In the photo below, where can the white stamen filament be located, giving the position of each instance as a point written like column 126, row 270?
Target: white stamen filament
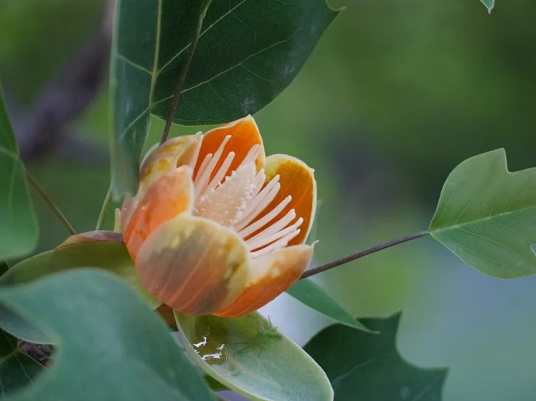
column 195, row 154
column 205, row 176
column 283, row 242
column 253, row 245
column 221, row 173
column 259, row 203
column 266, row 219
column 272, row 229
column 202, row 168
column 236, row 198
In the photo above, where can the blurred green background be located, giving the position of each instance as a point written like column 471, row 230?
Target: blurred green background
column 396, row 94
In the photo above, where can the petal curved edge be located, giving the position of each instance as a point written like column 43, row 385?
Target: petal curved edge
column 270, row 275
column 158, row 161
column 194, row 265
column 172, row 195
column 92, row 236
column 244, row 135
column 296, row 179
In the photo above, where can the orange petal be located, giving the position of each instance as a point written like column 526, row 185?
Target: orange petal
column 171, row 196
column 244, row 135
column 194, row 265
column 296, row 179
column 158, row 160
column 270, row 275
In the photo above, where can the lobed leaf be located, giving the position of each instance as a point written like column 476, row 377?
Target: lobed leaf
column 119, row 338
column 487, row 216
column 364, row 367
column 109, row 256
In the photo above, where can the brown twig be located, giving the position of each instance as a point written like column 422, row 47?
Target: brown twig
column 360, row 254
column 183, row 73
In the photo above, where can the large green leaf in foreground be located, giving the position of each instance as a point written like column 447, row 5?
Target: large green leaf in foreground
column 366, row 367
column 248, row 52
column 248, row 355
column 312, row 295
column 110, row 344
column 109, row 256
column 487, row 216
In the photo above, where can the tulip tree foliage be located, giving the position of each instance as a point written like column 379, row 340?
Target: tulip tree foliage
column 80, row 322
column 489, row 4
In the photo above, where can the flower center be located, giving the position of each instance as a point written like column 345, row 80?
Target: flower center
column 240, row 199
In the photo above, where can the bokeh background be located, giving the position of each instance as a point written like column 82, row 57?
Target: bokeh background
column 397, row 93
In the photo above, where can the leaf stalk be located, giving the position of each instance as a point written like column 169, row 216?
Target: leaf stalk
column 360, row 254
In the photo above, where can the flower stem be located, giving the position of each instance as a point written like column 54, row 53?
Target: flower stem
column 360, row 254
column 182, row 79
column 104, row 210
column 50, row 203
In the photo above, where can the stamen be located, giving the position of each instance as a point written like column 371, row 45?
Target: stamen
column 221, row 173
column 275, row 227
column 203, row 180
column 267, row 239
column 202, row 168
column 266, row 219
column 225, row 203
column 259, row 203
column 195, row 154
column 252, row 155
column 283, row 242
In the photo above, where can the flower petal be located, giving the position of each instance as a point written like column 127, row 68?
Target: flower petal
column 194, row 265
column 296, row 179
column 244, row 135
column 270, row 275
column 92, row 236
column 172, row 195
column 158, row 160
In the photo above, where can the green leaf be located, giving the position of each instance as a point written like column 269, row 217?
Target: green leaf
column 119, row 350
column 16, row 369
column 312, row 295
column 364, row 367
column 18, row 223
column 7, row 136
column 487, row 216
column 110, row 256
column 489, row 4
column 247, row 53
column 249, row 356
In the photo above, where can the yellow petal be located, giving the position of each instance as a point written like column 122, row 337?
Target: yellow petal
column 270, row 275
column 167, row 156
column 194, row 265
column 172, row 195
column 296, row 179
column 244, row 135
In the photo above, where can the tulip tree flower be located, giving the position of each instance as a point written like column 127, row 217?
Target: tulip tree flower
column 216, row 227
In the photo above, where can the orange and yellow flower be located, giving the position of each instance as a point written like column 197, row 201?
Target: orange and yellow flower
column 216, row 226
